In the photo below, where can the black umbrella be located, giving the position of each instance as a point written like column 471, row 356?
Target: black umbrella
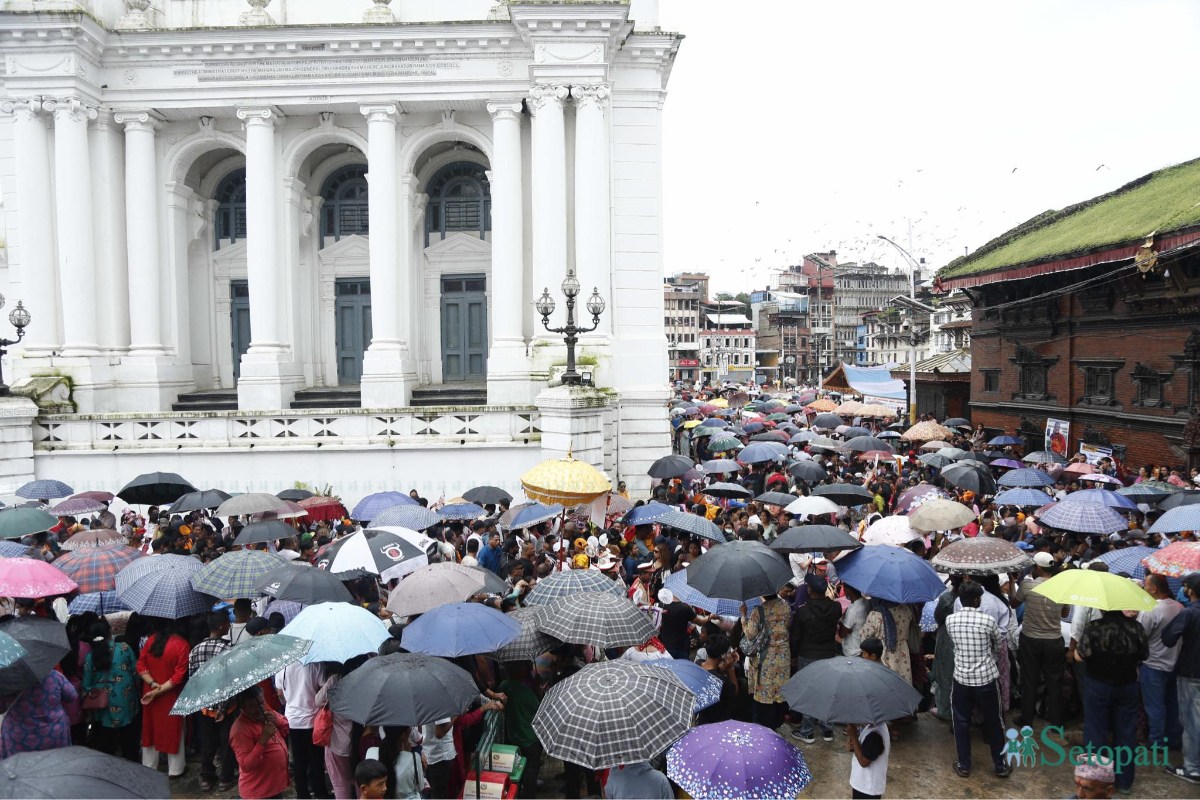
column 957, row 422
column 195, row 501
column 971, row 455
column 855, row 691
column 808, row 471
column 776, row 498
column 739, row 571
column 267, row 530
column 155, row 488
column 670, row 467
column 485, row 495
column 45, row 643
column 728, row 490
column 1184, row 498
column 811, row 538
column 861, row 444
column 295, row 495
column 964, row 475
column 934, row 460
column 303, row 584
column 844, row 494
column 78, row 772
column 694, row 524
column 403, row 689
column 855, row 431
column 827, row 420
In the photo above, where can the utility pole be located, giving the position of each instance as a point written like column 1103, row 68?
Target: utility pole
column 912, row 349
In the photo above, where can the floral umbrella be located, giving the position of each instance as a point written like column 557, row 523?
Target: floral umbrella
column 876, row 411
column 565, row 481
column 927, row 431
column 850, row 408
column 981, row 556
column 824, row 404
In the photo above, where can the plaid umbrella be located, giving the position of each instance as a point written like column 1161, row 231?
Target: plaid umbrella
column 255, row 659
column 32, row 578
column 76, row 507
column 1176, row 520
column 21, row 521
column 1104, row 497
column 1028, row 478
column 236, row 574
column 287, row 608
column 612, row 713
column 603, row 620
column 1175, row 560
column 98, row 603
column 530, row 642
column 693, row 524
column 1043, row 457
column 155, row 487
column 570, row 582
column 1128, row 560
column 95, row 568
column 44, row 489
column 97, row 537
column 373, row 505
column 1085, row 517
column 417, row 518
column 1023, row 498
column 162, row 587
column 12, row 549
column 981, row 556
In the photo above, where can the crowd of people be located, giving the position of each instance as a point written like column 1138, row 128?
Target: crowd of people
column 989, row 649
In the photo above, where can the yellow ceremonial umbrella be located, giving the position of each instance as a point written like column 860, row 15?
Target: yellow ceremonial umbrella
column 720, row 402
column 691, row 423
column 824, row 404
column 565, row 481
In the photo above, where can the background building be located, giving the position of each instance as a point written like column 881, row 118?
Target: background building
column 683, row 295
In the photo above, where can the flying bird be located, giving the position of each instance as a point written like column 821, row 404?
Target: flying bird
column 1014, row 169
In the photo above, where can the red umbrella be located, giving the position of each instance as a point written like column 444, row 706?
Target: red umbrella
column 708, row 408
column 1079, row 468
column 882, row 455
column 1175, row 560
column 95, row 568
column 323, row 508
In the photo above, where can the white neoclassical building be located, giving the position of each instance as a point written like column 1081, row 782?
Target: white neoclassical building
column 306, row 224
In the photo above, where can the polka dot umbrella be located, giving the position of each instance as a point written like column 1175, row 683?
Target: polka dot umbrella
column 737, row 760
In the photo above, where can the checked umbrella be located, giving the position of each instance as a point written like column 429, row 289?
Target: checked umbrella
column 95, row 568
column 602, row 620
column 161, row 587
column 236, row 574
column 572, row 582
column 530, row 642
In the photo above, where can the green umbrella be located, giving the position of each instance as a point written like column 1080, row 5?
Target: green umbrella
column 778, row 417
column 22, row 521
column 236, row 670
column 722, row 445
column 1102, row 590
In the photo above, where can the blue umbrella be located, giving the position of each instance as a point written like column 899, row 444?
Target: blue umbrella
column 757, row 452
column 10, row 549
column 460, row 629
column 644, row 515
column 753, row 427
column 338, row 631
column 1023, row 497
column 162, row 587
column 44, row 489
column 1128, row 561
column 677, row 583
column 890, row 573
column 697, row 680
column 1084, row 517
column 713, row 422
column 1104, row 497
column 97, row 602
column 693, row 524
column 887, row 435
column 803, row 437
column 534, row 515
column 415, row 518
column 373, row 505
column 719, row 466
column 1026, row 478
column 1005, row 441
column 461, row 511
column 1175, row 520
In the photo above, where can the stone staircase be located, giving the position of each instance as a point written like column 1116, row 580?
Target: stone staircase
column 208, row 400
column 450, row 394
column 329, row 397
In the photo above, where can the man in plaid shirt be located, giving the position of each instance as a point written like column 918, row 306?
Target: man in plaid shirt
column 212, row 731
column 976, row 640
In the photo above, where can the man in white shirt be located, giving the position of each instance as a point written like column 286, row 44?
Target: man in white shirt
column 870, row 745
column 298, row 684
column 439, row 755
column 852, row 622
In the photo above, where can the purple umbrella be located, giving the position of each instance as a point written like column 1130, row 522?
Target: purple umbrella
column 76, row 507
column 736, row 759
column 921, row 493
column 1007, row 463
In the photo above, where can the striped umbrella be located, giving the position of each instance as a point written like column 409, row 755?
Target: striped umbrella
column 530, row 642
column 1084, row 517
column 95, row 568
column 1175, row 560
column 236, row 574
column 162, row 587
column 44, row 489
column 571, row 582
column 603, row 620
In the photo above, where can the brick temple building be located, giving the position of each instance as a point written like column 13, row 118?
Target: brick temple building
column 1091, row 315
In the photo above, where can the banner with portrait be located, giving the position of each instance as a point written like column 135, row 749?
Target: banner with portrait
column 1058, row 436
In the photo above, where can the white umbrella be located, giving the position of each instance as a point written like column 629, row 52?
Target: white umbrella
column 419, row 540
column 812, row 505
column 891, row 530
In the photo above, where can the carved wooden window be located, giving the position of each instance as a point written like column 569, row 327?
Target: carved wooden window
column 1148, row 385
column 991, row 380
column 1099, row 381
column 231, row 208
column 1033, row 371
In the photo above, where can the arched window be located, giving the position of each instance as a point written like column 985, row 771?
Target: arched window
column 345, row 211
column 231, row 207
column 460, row 199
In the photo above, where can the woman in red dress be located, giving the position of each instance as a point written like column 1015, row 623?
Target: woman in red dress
column 163, row 667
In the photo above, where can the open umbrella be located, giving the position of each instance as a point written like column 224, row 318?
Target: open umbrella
column 236, row 573
column 1175, row 560
column 295, row 495
column 373, row 505
column 677, row 583
column 571, row 582
column 721, row 466
column 288, row 609
column 813, row 506
column 290, row 510
column 95, row 569
column 565, row 481
column 195, row 501
column 251, row 503
column 1023, row 498
column 851, row 691
column 486, row 495
column 758, row 452
column 826, row 420
column 644, row 515
column 863, row 444
column 45, row 643
column 927, row 431
column 1144, row 492
column 1084, row 517
column 76, row 507
column 890, row 573
column 982, row 555
column 460, row 629
column 303, row 584
column 966, row 476
column 781, row 499
column 808, row 471
column 228, row 674
column 375, row 551
column 1128, row 560
column 96, row 537
column 1175, row 520
column 155, row 488
column 434, row 585
column 323, row 509
column 1104, row 497
column 416, row 518
column 958, row 422
column 1043, row 457
column 918, row 495
column 19, row 521
column 739, row 570
column 812, row 539
column 844, row 494
column 894, row 530
column 940, row 514
column 268, row 530
column 78, row 772
column 403, row 689
column 534, row 514
column 162, row 587
column 32, row 578
column 737, row 759
column 935, row 446
column 1005, row 441
column 728, row 490
column 338, row 632
column 724, row 444
column 612, row 713
column 98, row 603
column 10, row 650
column 696, row 679
column 1026, row 478
column 44, row 489
column 1102, row 590
column 530, row 642
column 103, row 497
column 693, row 524
column 671, row 466
column 460, row 511
column 601, row 619
column 13, row 549
column 934, row 460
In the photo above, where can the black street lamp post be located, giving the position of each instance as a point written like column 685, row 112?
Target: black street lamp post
column 595, row 306
column 20, row 319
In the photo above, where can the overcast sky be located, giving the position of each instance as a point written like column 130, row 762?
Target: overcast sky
column 795, row 126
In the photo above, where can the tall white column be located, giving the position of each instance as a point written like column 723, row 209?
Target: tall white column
column 549, row 175
column 142, row 196
column 593, row 240
column 76, row 244
column 112, row 274
column 508, row 365
column 38, row 271
column 269, row 375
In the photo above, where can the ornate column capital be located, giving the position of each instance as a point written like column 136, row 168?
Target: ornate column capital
column 591, row 95
column 24, row 109
column 542, row 96
column 137, row 120
column 71, row 108
column 381, row 112
column 259, row 116
column 508, row 109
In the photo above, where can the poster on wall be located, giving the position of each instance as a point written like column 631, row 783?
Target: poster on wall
column 1094, row 452
column 1058, row 434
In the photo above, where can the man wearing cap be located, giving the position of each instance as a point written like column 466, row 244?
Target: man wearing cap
column 1094, row 778
column 1185, row 628
column 1040, row 649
